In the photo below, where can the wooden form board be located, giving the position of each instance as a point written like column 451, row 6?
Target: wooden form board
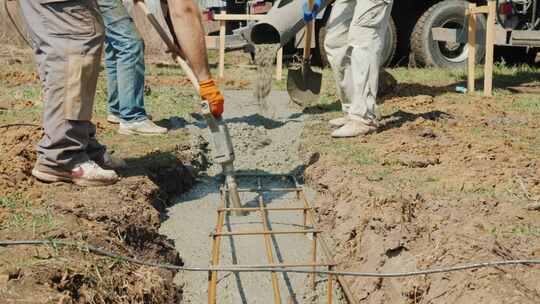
column 490, row 9
column 223, row 17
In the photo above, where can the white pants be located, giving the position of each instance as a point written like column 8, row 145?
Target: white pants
column 355, row 35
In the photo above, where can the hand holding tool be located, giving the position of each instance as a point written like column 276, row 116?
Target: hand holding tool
column 212, row 108
column 303, row 84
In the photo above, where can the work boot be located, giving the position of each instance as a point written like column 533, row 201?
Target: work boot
column 354, row 128
column 109, row 161
column 85, row 174
column 338, row 122
column 143, row 127
column 111, row 118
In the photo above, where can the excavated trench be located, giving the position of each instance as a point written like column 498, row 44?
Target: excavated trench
column 263, row 146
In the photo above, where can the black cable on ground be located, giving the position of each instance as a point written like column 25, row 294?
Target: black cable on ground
column 239, row 268
column 18, row 125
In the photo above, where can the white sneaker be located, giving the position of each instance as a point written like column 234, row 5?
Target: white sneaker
column 111, row 118
column 338, row 122
column 143, row 127
column 354, row 128
column 85, row 174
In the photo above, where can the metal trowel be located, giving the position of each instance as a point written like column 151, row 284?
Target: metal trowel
column 304, row 84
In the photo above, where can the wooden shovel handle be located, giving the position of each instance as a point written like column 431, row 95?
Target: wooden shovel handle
column 309, row 33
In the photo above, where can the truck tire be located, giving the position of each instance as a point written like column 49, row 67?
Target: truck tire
column 427, row 52
column 389, row 48
column 390, row 44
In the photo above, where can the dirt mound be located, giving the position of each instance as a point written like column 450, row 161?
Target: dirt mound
column 17, row 157
column 444, row 182
column 123, row 218
column 378, row 230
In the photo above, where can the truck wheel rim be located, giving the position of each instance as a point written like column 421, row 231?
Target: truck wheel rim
column 453, row 52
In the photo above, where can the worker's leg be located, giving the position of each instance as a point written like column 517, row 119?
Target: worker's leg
column 113, row 102
column 124, row 62
column 337, row 48
column 366, row 38
column 66, row 38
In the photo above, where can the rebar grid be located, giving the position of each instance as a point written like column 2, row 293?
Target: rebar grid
column 267, row 232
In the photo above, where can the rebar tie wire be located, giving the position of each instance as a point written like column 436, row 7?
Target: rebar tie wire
column 102, row 252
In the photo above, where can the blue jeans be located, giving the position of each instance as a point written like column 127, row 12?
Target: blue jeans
column 124, row 62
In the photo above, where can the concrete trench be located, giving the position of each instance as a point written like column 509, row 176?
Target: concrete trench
column 263, row 145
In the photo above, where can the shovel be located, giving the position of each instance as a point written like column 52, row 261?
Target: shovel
column 304, row 84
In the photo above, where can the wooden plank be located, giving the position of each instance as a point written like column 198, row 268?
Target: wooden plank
column 472, row 50
column 237, row 17
column 454, row 35
column 221, row 67
column 490, row 37
column 478, row 10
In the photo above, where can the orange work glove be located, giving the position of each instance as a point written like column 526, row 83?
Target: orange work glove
column 210, row 92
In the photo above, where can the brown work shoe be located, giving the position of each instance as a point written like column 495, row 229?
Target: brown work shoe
column 85, row 174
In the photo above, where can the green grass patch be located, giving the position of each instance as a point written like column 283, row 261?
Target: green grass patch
column 353, row 152
column 526, row 103
column 26, row 215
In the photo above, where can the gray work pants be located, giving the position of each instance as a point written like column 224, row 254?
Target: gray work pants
column 355, row 36
column 67, row 39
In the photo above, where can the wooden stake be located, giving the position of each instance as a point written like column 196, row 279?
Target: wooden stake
column 472, row 48
column 490, row 38
column 222, row 28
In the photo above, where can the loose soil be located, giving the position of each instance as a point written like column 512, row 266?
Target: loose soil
column 123, row 218
column 446, row 181
column 449, row 179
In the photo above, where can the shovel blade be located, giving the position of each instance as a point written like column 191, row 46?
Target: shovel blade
column 304, row 85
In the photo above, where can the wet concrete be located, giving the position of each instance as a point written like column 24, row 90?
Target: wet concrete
column 263, row 146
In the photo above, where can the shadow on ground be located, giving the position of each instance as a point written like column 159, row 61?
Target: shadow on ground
column 399, row 118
